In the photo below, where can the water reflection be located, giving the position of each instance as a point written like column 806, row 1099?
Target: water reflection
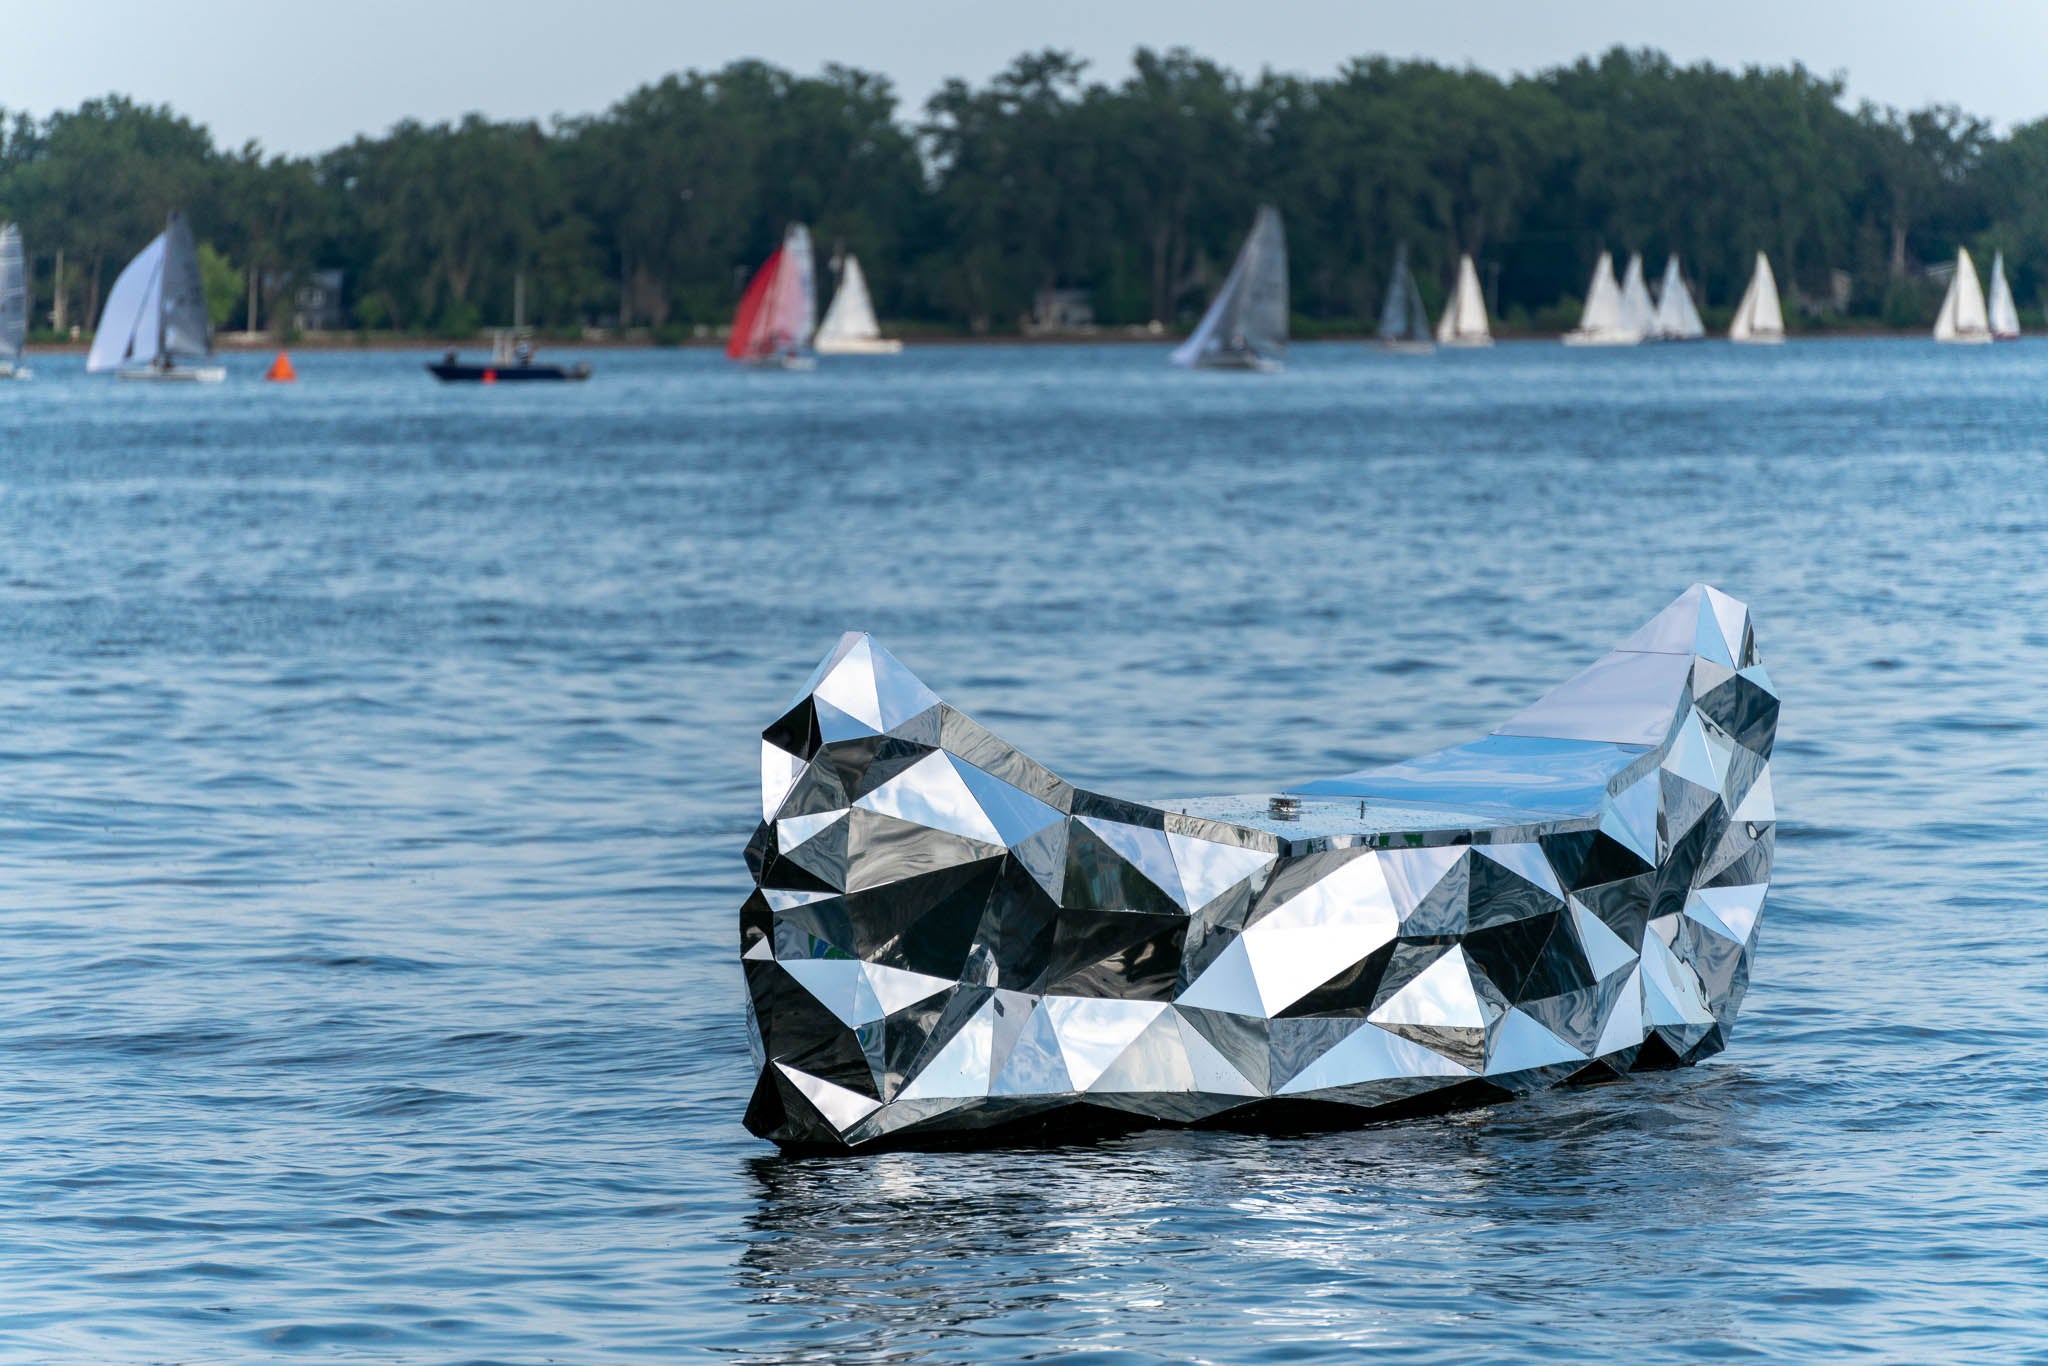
column 1466, row 1229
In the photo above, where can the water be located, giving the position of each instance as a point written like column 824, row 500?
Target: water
column 378, row 758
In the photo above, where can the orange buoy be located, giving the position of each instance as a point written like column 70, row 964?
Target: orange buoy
column 280, row 371
column 490, row 377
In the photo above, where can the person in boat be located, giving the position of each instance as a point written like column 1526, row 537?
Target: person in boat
column 449, row 358
column 523, row 353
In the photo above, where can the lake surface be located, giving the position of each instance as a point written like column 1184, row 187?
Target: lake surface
column 379, row 758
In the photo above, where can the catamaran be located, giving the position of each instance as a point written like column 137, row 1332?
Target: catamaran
column 1637, row 311
column 1404, row 323
column 2005, row 315
column 13, row 303
column 1758, row 319
column 849, row 328
column 1676, row 319
column 1962, row 317
column 779, row 311
column 1246, row 326
column 154, row 326
column 1601, row 323
column 1464, row 319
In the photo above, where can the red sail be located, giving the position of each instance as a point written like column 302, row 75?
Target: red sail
column 750, row 325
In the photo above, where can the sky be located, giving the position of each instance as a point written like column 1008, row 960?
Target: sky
column 301, row 78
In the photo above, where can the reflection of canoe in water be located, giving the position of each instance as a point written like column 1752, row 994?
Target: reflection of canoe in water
column 946, row 938
column 455, row 372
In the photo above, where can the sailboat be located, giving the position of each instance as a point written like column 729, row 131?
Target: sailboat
column 1601, row 322
column 1404, row 324
column 1758, row 319
column 154, row 326
column 13, row 303
column 1676, row 319
column 1246, row 325
column 849, row 328
column 1962, row 317
column 1637, row 311
column 1464, row 320
column 779, row 311
column 2005, row 315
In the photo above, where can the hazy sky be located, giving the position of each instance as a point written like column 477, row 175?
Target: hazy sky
column 301, row 78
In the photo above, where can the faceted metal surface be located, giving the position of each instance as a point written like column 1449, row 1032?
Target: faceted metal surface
column 946, row 938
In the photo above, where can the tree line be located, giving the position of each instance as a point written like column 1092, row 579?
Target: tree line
column 1134, row 190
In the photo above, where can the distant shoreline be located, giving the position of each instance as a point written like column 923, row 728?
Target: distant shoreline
column 235, row 343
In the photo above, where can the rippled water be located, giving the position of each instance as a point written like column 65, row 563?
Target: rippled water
column 378, row 757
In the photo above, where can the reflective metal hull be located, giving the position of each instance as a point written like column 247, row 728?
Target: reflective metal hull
column 948, row 942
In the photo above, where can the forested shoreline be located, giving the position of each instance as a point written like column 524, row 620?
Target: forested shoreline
column 1133, row 188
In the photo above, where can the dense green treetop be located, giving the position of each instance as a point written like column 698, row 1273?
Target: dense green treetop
column 1135, row 190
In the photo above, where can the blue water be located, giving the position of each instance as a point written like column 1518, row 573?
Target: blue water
column 378, row 758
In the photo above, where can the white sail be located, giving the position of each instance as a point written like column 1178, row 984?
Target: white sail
column 155, row 314
column 13, row 295
column 1601, row 322
column 849, row 326
column 1246, row 326
column 1637, row 311
column 1963, row 317
column 1676, row 318
column 128, row 324
column 1758, row 317
column 2005, row 314
column 793, row 296
column 1464, row 320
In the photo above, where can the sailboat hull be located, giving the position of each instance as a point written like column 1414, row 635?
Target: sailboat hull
column 858, row 346
column 1601, row 339
column 1970, row 339
column 783, row 362
column 1236, row 360
column 1408, row 348
column 1467, row 343
column 179, row 374
column 11, row 370
column 1765, row 339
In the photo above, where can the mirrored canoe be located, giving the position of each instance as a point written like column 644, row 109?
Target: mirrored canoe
column 947, row 942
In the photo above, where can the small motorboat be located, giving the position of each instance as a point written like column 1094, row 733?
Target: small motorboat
column 947, row 941
column 511, row 362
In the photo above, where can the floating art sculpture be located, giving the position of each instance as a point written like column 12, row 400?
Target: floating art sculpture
column 946, row 940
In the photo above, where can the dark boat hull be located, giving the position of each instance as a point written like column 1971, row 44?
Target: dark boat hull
column 505, row 374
